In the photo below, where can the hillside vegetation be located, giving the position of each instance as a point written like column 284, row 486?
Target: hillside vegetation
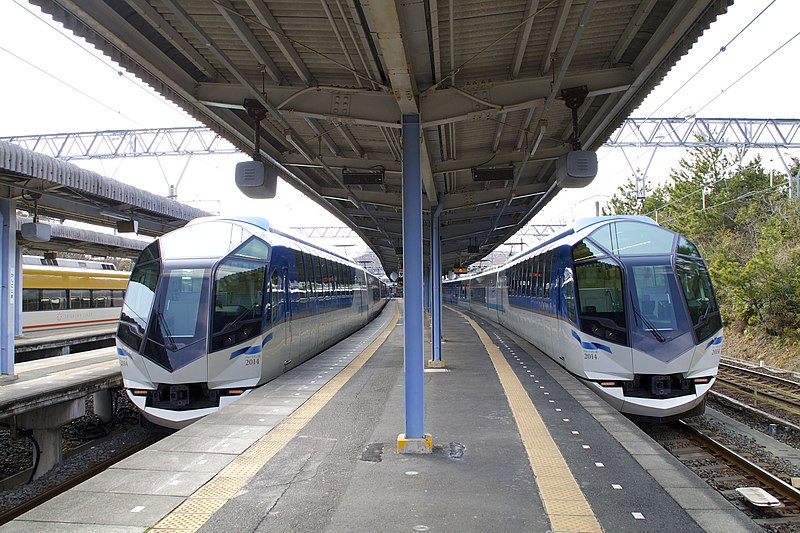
column 748, row 230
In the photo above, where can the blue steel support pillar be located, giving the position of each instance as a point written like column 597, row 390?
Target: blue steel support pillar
column 436, row 286
column 426, row 292
column 8, row 279
column 17, row 296
column 414, row 440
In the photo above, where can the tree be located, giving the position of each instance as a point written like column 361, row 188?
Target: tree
column 746, row 228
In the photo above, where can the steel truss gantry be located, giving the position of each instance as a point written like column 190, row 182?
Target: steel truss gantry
column 739, row 134
column 125, row 143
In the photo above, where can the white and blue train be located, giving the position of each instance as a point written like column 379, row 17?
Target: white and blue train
column 223, row 305
column 624, row 305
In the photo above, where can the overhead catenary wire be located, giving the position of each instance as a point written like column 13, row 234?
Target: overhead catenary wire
column 722, row 49
column 59, row 80
column 118, row 70
column 740, row 78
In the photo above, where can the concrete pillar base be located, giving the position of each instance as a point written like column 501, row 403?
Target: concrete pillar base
column 5, row 379
column 415, row 446
column 103, row 406
column 46, row 425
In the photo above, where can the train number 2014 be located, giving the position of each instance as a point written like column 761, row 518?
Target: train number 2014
column 252, row 361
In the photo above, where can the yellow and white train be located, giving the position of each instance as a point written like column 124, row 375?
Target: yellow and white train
column 69, row 293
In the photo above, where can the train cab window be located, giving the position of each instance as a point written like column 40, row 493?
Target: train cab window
column 687, row 247
column 696, row 286
column 601, row 300
column 634, row 238
column 586, row 250
column 139, row 297
column 178, row 326
column 239, row 294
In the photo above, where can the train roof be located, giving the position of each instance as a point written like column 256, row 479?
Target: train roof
column 264, row 226
column 577, row 231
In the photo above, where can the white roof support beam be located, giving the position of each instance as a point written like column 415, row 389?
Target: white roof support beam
column 443, row 106
column 385, row 22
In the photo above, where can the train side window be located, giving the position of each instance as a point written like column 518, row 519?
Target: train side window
column 301, row 275
column 340, row 279
column 326, row 277
column 568, row 290
column 530, row 279
column 523, row 278
column 57, row 298
column 310, row 281
column 274, row 288
column 319, row 283
column 117, row 296
column 80, row 299
column 31, row 300
column 547, row 273
column 101, row 298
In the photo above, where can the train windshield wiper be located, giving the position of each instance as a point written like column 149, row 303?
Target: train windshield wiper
column 650, row 327
column 166, row 334
column 229, row 326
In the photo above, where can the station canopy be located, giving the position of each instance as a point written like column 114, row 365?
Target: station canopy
column 335, row 77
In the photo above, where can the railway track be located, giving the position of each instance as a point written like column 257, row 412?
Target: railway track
column 726, row 470
column 760, row 389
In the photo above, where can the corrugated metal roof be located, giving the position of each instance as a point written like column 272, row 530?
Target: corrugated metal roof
column 68, row 191
column 485, row 77
column 80, row 240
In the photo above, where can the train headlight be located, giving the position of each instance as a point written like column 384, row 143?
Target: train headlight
column 702, row 381
column 610, row 384
column 139, row 392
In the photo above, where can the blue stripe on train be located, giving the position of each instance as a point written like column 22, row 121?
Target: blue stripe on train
column 715, row 340
column 591, row 345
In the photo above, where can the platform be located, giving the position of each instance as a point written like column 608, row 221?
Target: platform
column 57, row 379
column 315, row 450
column 34, row 345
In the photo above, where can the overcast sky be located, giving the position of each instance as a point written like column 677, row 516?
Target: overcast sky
column 55, row 82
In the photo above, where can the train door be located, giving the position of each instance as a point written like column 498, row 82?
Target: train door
column 567, row 322
column 277, row 345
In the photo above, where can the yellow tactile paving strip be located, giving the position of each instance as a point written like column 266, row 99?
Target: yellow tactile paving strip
column 563, row 500
column 208, row 499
